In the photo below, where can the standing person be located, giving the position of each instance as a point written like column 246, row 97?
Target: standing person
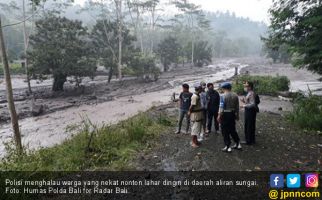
column 196, row 115
column 184, row 104
column 227, row 116
column 203, row 98
column 251, row 108
column 213, row 100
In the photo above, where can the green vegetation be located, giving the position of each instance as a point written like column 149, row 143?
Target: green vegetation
column 15, row 68
column 307, row 112
column 107, row 147
column 298, row 25
column 264, row 85
column 60, row 49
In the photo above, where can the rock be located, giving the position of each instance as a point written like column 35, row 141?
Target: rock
column 280, row 108
column 91, row 97
column 284, row 98
column 37, row 109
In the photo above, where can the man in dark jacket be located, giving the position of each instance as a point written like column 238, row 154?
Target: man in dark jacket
column 213, row 100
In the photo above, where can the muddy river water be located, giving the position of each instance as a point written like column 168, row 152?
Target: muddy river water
column 51, row 129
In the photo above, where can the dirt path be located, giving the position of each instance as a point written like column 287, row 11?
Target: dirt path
column 50, row 129
column 280, row 146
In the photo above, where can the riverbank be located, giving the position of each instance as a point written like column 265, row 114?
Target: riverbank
column 105, row 104
column 147, row 142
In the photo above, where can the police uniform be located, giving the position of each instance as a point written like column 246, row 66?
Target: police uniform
column 229, row 112
column 250, row 118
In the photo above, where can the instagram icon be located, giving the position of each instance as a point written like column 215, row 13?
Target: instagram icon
column 311, row 180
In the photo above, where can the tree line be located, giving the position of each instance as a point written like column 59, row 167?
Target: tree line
column 295, row 33
column 123, row 34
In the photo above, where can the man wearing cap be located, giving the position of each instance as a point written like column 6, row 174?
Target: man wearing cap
column 196, row 115
column 250, row 107
column 227, row 116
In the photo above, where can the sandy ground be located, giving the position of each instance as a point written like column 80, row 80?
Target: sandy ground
column 106, row 104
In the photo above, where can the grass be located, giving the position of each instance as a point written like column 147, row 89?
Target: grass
column 264, row 85
column 106, row 147
column 307, row 112
column 15, row 68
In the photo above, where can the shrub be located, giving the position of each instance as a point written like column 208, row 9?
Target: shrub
column 144, row 67
column 307, row 112
column 15, row 68
column 264, row 85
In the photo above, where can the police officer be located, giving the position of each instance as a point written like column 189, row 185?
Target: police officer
column 250, row 107
column 227, row 116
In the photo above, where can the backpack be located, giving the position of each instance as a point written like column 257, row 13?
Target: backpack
column 257, row 101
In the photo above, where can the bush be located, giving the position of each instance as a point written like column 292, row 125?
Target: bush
column 15, row 68
column 307, row 112
column 143, row 66
column 264, row 85
column 107, row 147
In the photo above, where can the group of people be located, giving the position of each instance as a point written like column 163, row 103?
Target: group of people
column 207, row 106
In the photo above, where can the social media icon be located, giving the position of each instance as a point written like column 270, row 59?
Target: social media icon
column 293, row 180
column 277, row 180
column 311, row 180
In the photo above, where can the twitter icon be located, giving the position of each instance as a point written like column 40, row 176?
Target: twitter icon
column 293, row 180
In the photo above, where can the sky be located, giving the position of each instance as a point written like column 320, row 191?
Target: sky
column 254, row 9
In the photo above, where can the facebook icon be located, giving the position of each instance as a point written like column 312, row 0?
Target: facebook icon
column 277, row 180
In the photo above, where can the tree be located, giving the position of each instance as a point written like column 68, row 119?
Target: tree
column 60, row 48
column 11, row 104
column 203, row 53
column 112, row 10
column 144, row 67
column 119, row 19
column 104, row 37
column 136, row 10
column 168, row 51
column 194, row 19
column 298, row 24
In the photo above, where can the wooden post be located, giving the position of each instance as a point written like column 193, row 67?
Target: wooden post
column 11, row 104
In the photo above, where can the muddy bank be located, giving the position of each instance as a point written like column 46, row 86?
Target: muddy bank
column 280, row 146
column 98, row 90
column 127, row 99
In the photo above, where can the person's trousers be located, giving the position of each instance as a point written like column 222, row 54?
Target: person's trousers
column 196, row 128
column 183, row 114
column 212, row 116
column 250, row 125
column 228, row 128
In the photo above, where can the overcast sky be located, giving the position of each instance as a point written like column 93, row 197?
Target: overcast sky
column 254, row 9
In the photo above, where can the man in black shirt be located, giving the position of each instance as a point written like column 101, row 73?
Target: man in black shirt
column 213, row 100
column 185, row 102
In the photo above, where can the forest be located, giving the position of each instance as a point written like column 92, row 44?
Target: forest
column 149, row 34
